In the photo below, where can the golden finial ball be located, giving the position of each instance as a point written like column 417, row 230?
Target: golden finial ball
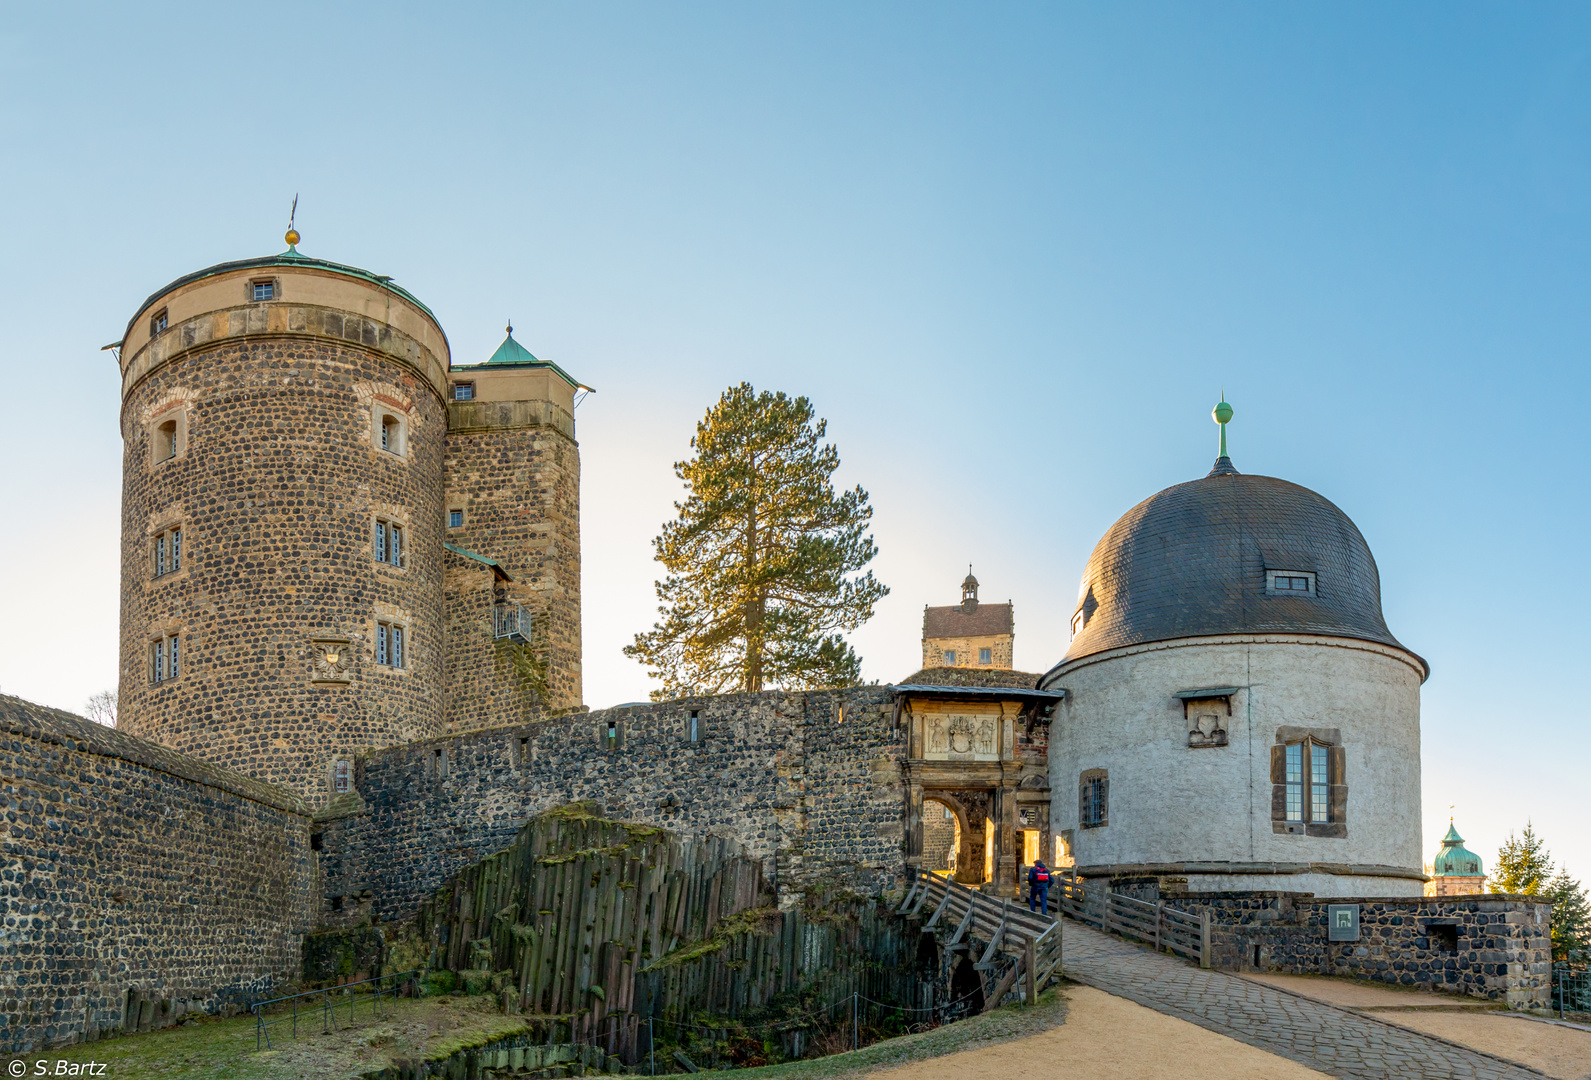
column 1222, row 413
column 292, row 237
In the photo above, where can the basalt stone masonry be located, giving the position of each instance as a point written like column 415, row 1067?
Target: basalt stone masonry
column 809, row 783
column 324, row 522
column 1494, row 946
column 130, row 872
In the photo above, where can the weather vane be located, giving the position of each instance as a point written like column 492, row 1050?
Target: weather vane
column 292, row 216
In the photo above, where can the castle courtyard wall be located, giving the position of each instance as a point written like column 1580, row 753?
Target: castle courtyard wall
column 808, row 782
column 128, row 867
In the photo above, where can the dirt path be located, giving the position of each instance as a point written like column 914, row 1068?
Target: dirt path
column 1110, row 1038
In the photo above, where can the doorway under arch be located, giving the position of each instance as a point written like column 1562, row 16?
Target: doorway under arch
column 942, row 831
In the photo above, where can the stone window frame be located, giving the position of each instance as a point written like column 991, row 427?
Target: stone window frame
column 390, row 424
column 468, row 389
column 382, row 529
column 168, row 435
column 1272, row 590
column 167, row 659
column 610, row 735
column 159, row 323
column 251, row 290
column 1085, row 781
column 459, row 510
column 1330, row 739
column 165, row 552
column 382, row 648
column 437, row 766
column 693, row 727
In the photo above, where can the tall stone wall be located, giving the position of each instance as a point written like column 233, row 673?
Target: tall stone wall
column 513, row 469
column 125, row 866
column 276, row 486
column 808, row 782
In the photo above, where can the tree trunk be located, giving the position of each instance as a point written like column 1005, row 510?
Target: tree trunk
column 755, row 607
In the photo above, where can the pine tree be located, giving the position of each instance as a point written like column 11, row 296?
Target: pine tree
column 1571, row 920
column 1523, row 865
column 761, row 557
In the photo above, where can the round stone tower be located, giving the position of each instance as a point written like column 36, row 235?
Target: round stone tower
column 1237, row 715
column 282, row 518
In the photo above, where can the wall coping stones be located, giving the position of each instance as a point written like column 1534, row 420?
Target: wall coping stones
column 19, row 717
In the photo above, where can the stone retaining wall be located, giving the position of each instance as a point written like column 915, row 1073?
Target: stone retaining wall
column 130, row 872
column 808, row 782
column 1493, row 946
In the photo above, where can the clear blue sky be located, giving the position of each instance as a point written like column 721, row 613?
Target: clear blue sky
column 1012, row 254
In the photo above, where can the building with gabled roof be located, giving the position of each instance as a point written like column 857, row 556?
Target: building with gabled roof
column 970, row 634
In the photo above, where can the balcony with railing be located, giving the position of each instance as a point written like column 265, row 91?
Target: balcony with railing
column 512, row 621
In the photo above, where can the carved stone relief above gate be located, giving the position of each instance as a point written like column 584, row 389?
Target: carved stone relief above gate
column 961, row 737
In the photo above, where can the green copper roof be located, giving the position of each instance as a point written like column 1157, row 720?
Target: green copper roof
column 1454, row 860
column 512, row 354
column 290, row 257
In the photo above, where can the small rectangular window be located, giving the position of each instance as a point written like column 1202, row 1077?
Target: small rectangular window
column 1289, row 583
column 164, row 658
column 158, row 324
column 340, row 778
column 950, row 657
column 463, row 391
column 389, row 644
column 524, row 752
column 439, row 764
column 455, row 519
column 387, row 542
column 696, row 730
column 1093, row 798
column 263, row 290
column 985, row 656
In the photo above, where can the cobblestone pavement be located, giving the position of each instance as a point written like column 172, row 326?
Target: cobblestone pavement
column 1332, row 1040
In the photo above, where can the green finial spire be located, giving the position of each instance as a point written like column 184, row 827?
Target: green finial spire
column 1223, row 415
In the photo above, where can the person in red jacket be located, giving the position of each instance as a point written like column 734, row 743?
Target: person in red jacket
column 1039, row 887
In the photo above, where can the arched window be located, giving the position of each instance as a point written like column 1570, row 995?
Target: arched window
column 166, row 441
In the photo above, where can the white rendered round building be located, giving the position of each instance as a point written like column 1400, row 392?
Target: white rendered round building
column 1237, row 713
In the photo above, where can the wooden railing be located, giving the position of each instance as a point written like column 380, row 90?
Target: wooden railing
column 1154, row 924
column 1032, row 938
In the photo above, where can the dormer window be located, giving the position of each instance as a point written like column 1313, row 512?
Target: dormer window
column 1289, row 583
column 1077, row 624
column 158, row 324
column 262, row 290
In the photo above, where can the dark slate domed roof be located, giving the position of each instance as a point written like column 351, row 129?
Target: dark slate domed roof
column 1192, row 561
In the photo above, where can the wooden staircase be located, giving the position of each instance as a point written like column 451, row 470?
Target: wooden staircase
column 1029, row 938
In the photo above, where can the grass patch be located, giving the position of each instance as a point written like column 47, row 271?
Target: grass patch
column 999, row 1025
column 417, row 1029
